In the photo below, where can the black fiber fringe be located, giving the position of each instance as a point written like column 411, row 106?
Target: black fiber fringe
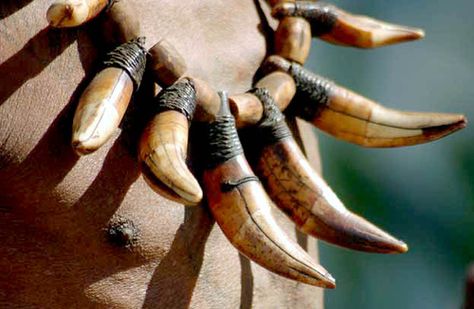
column 272, row 127
column 312, row 92
column 180, row 97
column 130, row 57
column 223, row 141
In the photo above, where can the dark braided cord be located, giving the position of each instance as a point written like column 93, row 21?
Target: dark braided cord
column 272, row 127
column 312, row 92
column 223, row 141
column 180, row 97
column 322, row 16
column 131, row 57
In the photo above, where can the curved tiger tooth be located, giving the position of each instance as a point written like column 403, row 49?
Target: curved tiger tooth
column 100, row 110
column 73, row 13
column 301, row 193
column 242, row 210
column 311, row 204
column 351, row 117
column 103, row 103
column 164, row 142
column 340, row 27
column 163, row 149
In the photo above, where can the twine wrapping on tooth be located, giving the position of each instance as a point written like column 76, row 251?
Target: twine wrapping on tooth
column 180, row 97
column 130, row 57
column 272, row 125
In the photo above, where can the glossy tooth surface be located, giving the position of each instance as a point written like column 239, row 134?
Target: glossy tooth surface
column 340, row 27
column 305, row 197
column 163, row 149
column 73, row 13
column 100, row 109
column 242, row 209
column 353, row 118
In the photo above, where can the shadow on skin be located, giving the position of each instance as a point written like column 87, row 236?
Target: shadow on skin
column 174, row 279
column 246, row 279
column 9, row 7
column 32, row 59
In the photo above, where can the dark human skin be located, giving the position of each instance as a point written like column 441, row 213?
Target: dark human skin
column 88, row 231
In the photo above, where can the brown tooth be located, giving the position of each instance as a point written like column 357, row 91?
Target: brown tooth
column 104, row 102
column 281, row 87
column 242, row 209
column 207, row 101
column 166, row 63
column 293, row 39
column 73, row 13
column 120, row 23
column 246, row 109
column 351, row 117
column 302, row 194
column 164, row 142
column 339, row 27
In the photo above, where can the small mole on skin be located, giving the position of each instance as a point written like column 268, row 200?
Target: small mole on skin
column 122, row 233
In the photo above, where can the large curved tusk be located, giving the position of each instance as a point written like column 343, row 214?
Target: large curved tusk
column 302, row 194
column 351, row 117
column 339, row 27
column 104, row 102
column 242, row 209
column 73, row 13
column 163, row 146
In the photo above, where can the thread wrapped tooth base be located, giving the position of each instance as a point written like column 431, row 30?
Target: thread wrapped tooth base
column 223, row 141
column 180, row 97
column 130, row 57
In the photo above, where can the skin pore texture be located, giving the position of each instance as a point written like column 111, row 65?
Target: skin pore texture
column 88, row 231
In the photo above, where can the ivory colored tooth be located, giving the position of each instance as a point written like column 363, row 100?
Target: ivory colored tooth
column 166, row 63
column 104, row 102
column 351, row 117
column 242, row 209
column 302, row 194
column 73, row 13
column 293, row 39
column 163, row 146
column 339, row 27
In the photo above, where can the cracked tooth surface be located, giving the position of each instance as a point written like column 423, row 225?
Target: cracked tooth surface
column 242, row 210
column 340, row 27
column 73, row 13
column 301, row 193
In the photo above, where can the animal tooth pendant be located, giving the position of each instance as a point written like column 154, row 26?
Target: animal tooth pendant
column 242, row 209
column 166, row 63
column 293, row 39
column 353, row 118
column 73, row 13
column 302, row 194
column 104, row 102
column 339, row 27
column 163, row 146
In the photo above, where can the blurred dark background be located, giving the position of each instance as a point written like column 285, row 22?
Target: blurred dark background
column 422, row 194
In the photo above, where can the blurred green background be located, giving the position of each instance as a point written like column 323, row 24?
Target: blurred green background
column 422, row 194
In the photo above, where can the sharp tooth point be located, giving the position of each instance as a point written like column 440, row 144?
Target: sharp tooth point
column 395, row 34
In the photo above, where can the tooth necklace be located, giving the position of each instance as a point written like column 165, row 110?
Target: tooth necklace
column 234, row 194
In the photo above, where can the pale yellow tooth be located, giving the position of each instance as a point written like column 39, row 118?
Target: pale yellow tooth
column 100, row 109
column 73, row 13
column 349, row 116
column 340, row 27
column 163, row 149
column 105, row 100
column 364, row 32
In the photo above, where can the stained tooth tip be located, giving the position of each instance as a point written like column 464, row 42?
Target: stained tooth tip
column 80, row 148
